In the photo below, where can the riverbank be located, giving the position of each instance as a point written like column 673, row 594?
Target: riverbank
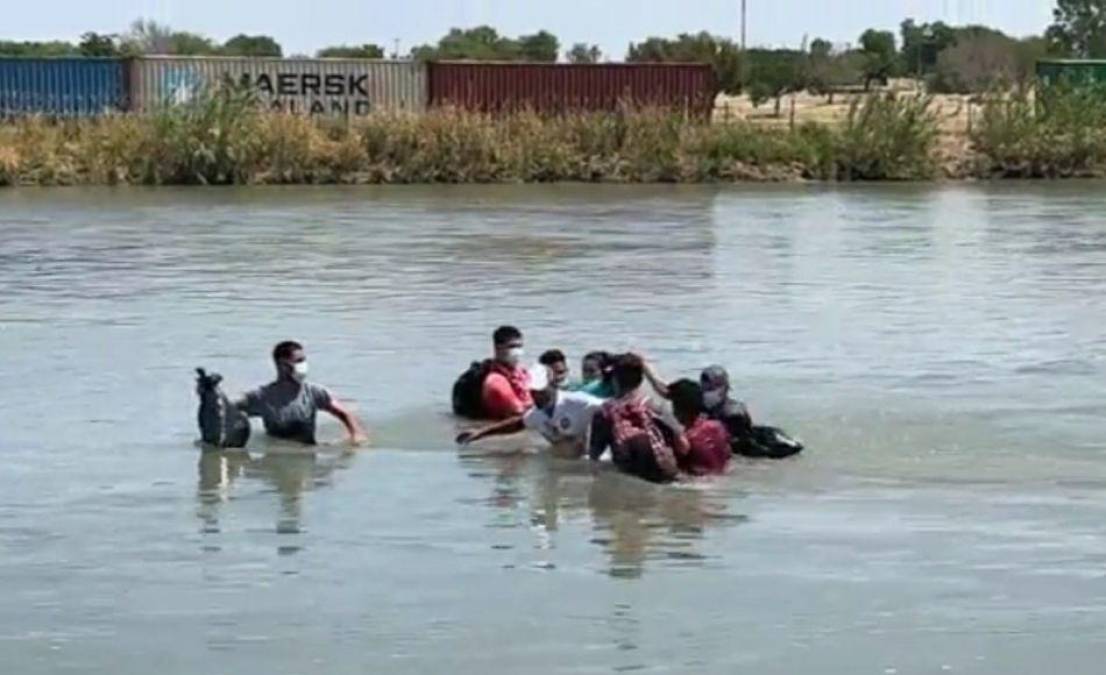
column 226, row 140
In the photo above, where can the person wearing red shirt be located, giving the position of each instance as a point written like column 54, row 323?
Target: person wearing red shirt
column 708, row 440
column 506, row 389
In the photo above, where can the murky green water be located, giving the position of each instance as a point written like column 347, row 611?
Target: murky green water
column 940, row 350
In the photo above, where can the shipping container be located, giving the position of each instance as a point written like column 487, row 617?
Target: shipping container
column 554, row 88
column 330, row 87
column 1077, row 72
column 61, row 86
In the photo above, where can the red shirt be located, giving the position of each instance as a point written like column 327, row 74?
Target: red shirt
column 710, row 448
column 506, row 392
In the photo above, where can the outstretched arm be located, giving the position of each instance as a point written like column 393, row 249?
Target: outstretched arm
column 508, row 426
column 356, row 431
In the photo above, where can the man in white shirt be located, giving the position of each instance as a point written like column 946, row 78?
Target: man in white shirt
column 563, row 418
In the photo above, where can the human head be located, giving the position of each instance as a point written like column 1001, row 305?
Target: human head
column 555, row 361
column 687, row 400
column 715, row 382
column 595, row 366
column 290, row 360
column 629, row 371
column 508, row 345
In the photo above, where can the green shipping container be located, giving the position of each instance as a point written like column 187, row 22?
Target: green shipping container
column 1074, row 72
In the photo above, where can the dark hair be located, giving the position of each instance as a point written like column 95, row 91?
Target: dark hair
column 629, row 371
column 505, row 334
column 687, row 398
column 284, row 350
column 604, row 358
column 606, row 362
column 551, row 357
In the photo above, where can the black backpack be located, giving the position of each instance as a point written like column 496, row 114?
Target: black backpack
column 766, row 443
column 468, row 391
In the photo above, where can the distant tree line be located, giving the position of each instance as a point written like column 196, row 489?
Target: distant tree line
column 950, row 59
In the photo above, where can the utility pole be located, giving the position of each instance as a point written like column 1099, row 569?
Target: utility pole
column 742, row 25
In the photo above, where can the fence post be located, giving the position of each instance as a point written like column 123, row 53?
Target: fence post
column 791, row 121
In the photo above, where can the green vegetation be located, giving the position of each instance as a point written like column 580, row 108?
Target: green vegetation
column 486, row 44
column 226, row 139
column 1079, row 29
column 722, row 53
column 582, row 52
column 775, row 73
column 948, row 59
column 365, row 51
column 1061, row 135
column 251, row 45
column 880, row 61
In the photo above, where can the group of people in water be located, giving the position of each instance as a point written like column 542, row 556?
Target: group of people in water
column 609, row 410
column 606, row 410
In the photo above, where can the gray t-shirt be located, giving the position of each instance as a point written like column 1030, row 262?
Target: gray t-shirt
column 287, row 408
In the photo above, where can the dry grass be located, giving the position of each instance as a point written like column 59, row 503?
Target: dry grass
column 227, row 140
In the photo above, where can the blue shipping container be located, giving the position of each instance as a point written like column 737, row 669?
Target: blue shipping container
column 65, row 86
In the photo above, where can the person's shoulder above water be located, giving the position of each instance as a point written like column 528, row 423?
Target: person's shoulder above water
column 318, row 394
column 501, row 398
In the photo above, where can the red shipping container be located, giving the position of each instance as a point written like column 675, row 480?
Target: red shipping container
column 495, row 87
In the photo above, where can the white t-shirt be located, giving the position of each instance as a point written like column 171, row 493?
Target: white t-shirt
column 570, row 419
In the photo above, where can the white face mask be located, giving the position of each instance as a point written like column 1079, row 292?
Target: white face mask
column 713, row 398
column 514, row 356
column 299, row 371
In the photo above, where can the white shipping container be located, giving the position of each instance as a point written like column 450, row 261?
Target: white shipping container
column 330, row 87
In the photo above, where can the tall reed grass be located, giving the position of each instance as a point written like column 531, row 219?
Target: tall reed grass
column 224, row 138
column 1061, row 132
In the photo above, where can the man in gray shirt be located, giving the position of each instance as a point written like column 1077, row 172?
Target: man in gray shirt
column 288, row 405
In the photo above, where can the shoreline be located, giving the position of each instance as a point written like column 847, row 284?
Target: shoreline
column 226, row 140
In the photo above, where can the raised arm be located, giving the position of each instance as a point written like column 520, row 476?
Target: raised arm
column 655, row 380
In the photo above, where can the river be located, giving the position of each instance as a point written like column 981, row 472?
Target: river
column 940, row 350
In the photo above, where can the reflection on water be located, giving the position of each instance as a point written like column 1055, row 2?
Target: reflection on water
column 941, row 351
column 289, row 473
column 632, row 521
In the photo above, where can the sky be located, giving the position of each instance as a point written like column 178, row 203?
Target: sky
column 303, row 26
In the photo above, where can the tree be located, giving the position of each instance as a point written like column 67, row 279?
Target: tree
column 821, row 49
column 922, row 44
column 365, row 51
column 878, row 47
column 773, row 73
column 581, row 52
column 183, row 43
column 147, row 37
column 541, row 46
column 827, row 70
column 723, row 55
column 977, row 62
column 482, row 43
column 37, row 49
column 96, row 45
column 252, row 45
column 150, row 37
column 1079, row 28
